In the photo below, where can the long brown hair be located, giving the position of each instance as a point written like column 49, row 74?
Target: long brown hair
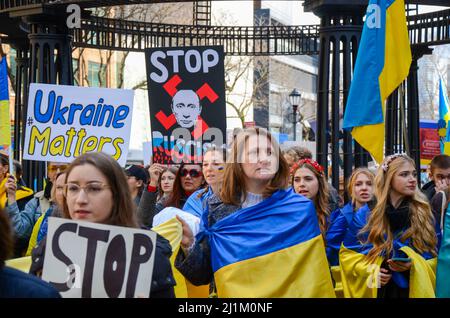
column 322, row 199
column 422, row 230
column 172, row 170
column 6, row 238
column 233, row 190
column 123, row 210
column 178, row 191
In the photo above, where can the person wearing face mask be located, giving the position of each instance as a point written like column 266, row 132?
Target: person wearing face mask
column 390, row 251
column 361, row 192
column 96, row 191
column 213, row 167
column 189, row 179
column 255, row 230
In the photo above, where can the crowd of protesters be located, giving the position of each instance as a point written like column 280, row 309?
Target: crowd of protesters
column 386, row 211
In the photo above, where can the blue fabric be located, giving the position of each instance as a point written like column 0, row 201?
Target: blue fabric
column 16, row 284
column 4, row 94
column 339, row 222
column 443, row 265
column 364, row 101
column 23, row 221
column 44, row 225
column 194, row 204
column 283, row 220
column 444, row 112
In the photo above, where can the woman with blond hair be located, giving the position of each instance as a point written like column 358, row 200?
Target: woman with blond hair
column 361, row 192
column 256, row 230
column 398, row 236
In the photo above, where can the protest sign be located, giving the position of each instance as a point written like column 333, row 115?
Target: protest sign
column 64, row 122
column 429, row 142
column 84, row 259
column 187, row 102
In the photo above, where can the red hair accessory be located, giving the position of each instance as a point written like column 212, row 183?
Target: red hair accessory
column 313, row 163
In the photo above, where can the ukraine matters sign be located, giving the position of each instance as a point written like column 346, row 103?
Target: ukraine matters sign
column 64, row 122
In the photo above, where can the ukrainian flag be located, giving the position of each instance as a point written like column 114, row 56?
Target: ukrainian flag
column 272, row 249
column 383, row 62
column 172, row 231
column 360, row 278
column 5, row 124
column 444, row 117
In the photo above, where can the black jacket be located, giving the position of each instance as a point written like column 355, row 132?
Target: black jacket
column 162, row 280
column 428, row 190
column 149, row 207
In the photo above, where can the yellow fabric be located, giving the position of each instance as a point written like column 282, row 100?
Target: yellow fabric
column 22, row 264
column 371, row 138
column 21, row 193
column 34, row 234
column 3, row 196
column 173, row 232
column 5, row 124
column 357, row 275
column 297, row 271
column 359, row 278
column 397, row 61
column 336, row 274
column 422, row 279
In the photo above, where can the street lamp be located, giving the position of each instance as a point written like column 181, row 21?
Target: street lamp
column 294, row 98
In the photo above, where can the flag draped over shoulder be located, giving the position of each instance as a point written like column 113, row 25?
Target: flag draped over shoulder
column 272, row 249
column 5, row 124
column 444, row 117
column 172, row 231
column 383, row 62
column 360, row 278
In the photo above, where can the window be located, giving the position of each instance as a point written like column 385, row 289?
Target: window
column 93, row 75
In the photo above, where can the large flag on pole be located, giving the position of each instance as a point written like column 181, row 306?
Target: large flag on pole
column 5, row 124
column 444, row 117
column 383, row 62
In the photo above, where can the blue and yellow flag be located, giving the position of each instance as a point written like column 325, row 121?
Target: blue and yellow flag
column 360, row 278
column 444, row 117
column 383, row 62
column 272, row 249
column 5, row 124
column 173, row 232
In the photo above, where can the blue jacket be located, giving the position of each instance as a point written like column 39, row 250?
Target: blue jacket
column 16, row 284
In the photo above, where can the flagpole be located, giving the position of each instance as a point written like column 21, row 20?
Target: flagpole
column 10, row 146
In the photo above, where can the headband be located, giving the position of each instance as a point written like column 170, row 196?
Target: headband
column 389, row 159
column 313, row 163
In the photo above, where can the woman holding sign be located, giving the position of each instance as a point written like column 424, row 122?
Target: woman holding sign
column 96, row 191
column 257, row 233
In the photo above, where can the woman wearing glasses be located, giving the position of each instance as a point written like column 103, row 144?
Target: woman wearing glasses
column 188, row 179
column 96, row 191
